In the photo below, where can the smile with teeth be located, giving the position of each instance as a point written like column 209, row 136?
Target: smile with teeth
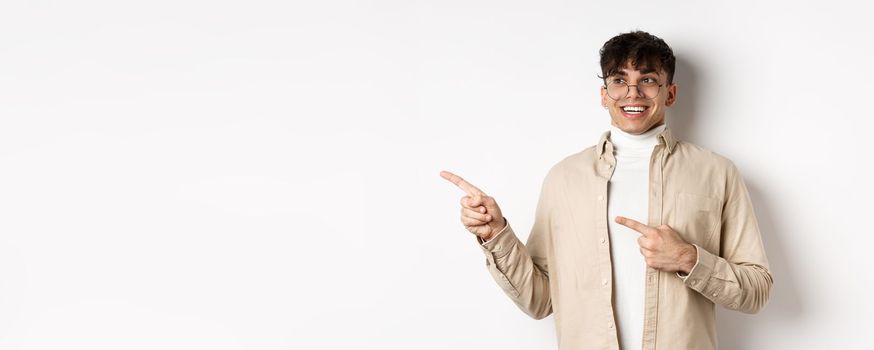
column 634, row 109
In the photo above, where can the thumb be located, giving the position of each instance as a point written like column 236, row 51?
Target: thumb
column 476, row 200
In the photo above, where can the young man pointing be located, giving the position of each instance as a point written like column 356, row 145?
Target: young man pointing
column 637, row 238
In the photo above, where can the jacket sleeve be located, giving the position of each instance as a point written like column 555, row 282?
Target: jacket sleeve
column 738, row 278
column 522, row 270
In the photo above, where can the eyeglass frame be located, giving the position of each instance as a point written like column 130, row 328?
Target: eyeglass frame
column 628, row 91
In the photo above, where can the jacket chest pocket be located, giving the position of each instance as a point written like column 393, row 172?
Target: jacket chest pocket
column 698, row 217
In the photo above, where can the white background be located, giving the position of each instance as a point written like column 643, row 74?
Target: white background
column 264, row 175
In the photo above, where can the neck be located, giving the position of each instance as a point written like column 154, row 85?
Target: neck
column 624, row 141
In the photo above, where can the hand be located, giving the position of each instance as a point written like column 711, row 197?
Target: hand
column 480, row 213
column 663, row 247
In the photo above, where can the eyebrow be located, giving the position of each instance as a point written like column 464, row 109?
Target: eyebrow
column 643, row 71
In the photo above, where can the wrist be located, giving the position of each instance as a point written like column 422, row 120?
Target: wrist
column 487, row 237
column 495, row 230
column 689, row 259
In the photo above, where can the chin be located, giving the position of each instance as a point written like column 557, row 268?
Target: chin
column 633, row 128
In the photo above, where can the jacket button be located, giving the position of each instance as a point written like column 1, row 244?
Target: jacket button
column 603, row 240
column 600, row 198
column 604, row 281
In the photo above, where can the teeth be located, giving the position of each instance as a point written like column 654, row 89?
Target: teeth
column 633, row 109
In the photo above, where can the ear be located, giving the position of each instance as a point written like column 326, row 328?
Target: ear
column 672, row 95
column 604, row 98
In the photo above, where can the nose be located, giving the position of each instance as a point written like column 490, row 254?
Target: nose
column 636, row 90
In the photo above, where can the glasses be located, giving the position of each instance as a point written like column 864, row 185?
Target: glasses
column 647, row 88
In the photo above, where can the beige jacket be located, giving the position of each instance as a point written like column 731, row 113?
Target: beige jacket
column 565, row 267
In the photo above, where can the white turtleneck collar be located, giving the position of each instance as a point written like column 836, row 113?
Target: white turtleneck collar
column 623, row 141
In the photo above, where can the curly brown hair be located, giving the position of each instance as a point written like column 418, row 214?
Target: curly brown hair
column 643, row 50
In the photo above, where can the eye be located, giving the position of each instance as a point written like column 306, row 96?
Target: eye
column 649, row 81
column 617, row 81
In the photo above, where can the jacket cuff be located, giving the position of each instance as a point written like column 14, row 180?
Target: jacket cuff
column 501, row 244
column 699, row 276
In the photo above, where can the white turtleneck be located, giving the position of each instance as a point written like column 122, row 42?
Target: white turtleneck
column 627, row 195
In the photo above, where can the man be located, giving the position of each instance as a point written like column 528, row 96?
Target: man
column 636, row 238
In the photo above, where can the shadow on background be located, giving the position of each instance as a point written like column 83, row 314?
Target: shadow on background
column 735, row 329
column 682, row 115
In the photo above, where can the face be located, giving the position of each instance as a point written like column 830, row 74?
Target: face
column 623, row 111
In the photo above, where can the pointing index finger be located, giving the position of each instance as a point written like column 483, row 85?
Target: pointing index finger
column 634, row 225
column 461, row 183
